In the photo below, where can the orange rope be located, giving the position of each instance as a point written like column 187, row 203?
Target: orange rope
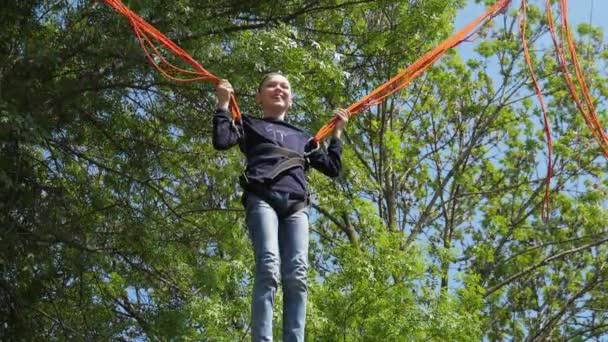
column 522, row 28
column 589, row 114
column 146, row 34
column 595, row 123
column 144, row 40
column 403, row 79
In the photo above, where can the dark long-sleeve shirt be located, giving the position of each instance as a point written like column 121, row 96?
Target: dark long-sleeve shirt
column 257, row 131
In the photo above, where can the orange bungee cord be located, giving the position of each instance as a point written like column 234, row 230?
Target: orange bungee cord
column 522, row 28
column 404, row 78
column 589, row 114
column 147, row 34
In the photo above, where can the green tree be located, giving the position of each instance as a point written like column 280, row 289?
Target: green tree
column 120, row 222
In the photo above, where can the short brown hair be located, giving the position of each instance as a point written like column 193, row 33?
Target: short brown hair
column 266, row 77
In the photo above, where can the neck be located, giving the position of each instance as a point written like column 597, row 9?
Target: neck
column 274, row 114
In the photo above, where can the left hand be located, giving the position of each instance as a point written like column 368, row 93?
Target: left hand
column 343, row 115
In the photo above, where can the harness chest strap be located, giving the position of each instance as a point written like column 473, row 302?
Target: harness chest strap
column 283, row 204
column 291, row 159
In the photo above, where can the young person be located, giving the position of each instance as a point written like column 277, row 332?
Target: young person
column 276, row 198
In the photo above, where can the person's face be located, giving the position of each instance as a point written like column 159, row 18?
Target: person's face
column 274, row 95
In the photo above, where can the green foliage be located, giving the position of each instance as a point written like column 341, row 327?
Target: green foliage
column 120, row 222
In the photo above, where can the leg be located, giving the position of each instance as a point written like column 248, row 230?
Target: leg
column 293, row 240
column 263, row 226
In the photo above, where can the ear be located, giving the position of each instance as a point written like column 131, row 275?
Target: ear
column 258, row 98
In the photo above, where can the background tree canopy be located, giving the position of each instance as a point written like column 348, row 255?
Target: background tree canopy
column 119, row 221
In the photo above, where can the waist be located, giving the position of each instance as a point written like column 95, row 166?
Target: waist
column 275, row 190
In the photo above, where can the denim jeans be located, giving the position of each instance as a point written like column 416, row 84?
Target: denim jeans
column 280, row 246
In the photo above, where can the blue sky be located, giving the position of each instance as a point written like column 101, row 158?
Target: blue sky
column 579, row 11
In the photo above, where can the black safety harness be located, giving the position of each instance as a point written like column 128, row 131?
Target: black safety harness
column 284, row 204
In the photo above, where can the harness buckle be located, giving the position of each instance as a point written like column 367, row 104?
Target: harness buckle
column 237, row 129
column 315, row 149
column 244, row 177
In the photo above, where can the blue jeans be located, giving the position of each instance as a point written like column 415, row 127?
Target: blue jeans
column 279, row 245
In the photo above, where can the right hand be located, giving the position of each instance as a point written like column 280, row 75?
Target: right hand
column 342, row 115
column 223, row 91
